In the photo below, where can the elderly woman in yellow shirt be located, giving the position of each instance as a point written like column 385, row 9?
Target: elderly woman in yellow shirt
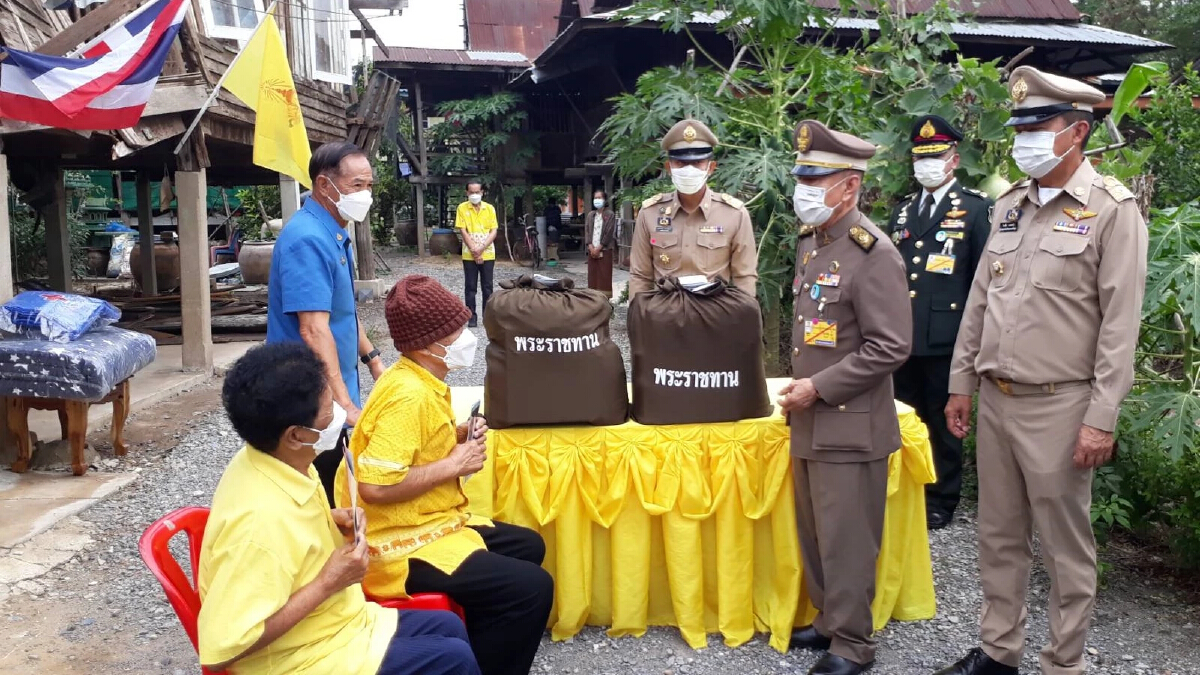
column 410, row 458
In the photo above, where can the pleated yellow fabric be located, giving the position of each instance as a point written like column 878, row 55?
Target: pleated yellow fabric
column 691, row 526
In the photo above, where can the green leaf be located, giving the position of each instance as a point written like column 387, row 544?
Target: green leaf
column 1136, row 81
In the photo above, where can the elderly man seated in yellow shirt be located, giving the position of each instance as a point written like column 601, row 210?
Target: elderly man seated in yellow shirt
column 410, row 460
column 280, row 574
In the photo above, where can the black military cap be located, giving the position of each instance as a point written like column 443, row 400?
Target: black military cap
column 933, row 135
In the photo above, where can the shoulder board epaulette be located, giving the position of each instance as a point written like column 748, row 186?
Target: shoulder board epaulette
column 806, row 230
column 731, row 200
column 978, row 193
column 865, row 240
column 1023, row 183
column 652, row 201
column 909, row 197
column 1116, row 190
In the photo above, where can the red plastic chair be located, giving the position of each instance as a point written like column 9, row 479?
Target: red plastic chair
column 423, row 601
column 181, row 592
column 184, row 596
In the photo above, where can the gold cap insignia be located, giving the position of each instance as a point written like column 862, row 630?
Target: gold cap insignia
column 689, row 134
column 1020, row 90
column 928, row 131
column 804, row 139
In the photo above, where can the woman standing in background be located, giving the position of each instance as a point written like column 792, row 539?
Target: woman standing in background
column 600, row 235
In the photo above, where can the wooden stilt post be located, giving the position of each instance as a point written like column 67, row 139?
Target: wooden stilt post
column 146, row 235
column 58, row 238
column 6, row 270
column 289, row 196
column 191, row 194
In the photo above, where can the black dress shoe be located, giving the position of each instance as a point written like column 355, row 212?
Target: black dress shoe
column 936, row 520
column 809, row 638
column 472, row 323
column 832, row 664
column 977, row 663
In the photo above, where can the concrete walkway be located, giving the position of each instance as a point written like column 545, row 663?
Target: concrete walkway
column 33, row 502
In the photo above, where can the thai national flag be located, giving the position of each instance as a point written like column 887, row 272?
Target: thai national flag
column 106, row 89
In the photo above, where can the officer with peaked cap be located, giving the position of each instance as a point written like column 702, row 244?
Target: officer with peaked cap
column 853, row 329
column 940, row 232
column 1048, row 339
column 693, row 230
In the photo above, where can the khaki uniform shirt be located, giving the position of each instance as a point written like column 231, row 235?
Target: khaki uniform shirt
column 1058, row 295
column 863, row 292
column 717, row 240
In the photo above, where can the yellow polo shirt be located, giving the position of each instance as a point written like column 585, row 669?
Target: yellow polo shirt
column 269, row 534
column 408, row 421
column 478, row 224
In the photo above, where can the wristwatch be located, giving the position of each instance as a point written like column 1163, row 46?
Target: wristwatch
column 369, row 357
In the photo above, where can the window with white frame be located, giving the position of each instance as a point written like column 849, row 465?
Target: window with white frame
column 231, row 19
column 328, row 38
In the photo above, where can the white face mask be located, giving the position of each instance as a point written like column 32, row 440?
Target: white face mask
column 690, row 179
column 475, row 198
column 353, row 206
column 327, row 438
column 1033, row 151
column 809, row 203
column 598, row 203
column 460, row 354
column 930, row 173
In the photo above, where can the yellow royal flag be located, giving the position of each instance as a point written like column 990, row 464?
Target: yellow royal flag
column 262, row 79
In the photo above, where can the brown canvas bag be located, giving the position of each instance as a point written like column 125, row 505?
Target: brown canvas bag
column 550, row 359
column 697, row 355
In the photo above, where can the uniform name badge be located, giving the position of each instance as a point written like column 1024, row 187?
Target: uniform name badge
column 712, row 229
column 939, row 264
column 820, row 333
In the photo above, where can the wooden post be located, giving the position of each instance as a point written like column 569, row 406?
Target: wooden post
column 588, row 191
column 364, row 252
column 6, row 270
column 419, row 189
column 146, row 235
column 191, row 194
column 419, row 130
column 289, row 196
column 58, row 239
column 608, row 187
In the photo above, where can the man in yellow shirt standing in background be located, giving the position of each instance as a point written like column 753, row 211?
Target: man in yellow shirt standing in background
column 280, row 574
column 476, row 223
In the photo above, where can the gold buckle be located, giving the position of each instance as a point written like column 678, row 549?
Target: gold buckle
column 1004, row 386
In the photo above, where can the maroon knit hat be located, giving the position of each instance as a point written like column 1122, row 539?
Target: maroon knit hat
column 420, row 311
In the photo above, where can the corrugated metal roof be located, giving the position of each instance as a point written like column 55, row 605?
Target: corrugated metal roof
column 1054, row 10
column 1020, row 30
column 524, row 26
column 1052, row 32
column 450, row 57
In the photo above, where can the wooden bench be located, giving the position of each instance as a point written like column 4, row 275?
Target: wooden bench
column 72, row 418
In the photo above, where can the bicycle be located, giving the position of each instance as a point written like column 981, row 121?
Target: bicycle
column 531, row 243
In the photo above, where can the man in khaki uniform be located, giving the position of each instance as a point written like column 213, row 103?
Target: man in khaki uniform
column 693, row 230
column 853, row 329
column 1048, row 337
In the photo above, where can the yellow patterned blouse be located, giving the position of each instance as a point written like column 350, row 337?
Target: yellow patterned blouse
column 408, row 421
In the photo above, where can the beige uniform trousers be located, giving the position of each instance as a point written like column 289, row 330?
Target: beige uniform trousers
column 839, row 517
column 1027, row 478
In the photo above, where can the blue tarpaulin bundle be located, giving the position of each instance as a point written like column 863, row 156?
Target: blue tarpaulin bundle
column 59, row 317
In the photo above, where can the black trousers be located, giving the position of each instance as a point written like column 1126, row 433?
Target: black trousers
column 504, row 592
column 477, row 273
column 923, row 382
column 327, row 464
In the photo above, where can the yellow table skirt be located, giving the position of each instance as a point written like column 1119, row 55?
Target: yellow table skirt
column 691, row 526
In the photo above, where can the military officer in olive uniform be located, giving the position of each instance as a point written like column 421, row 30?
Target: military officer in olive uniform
column 693, row 230
column 1048, row 339
column 853, row 329
column 940, row 232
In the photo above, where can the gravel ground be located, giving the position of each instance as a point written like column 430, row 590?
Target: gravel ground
column 103, row 612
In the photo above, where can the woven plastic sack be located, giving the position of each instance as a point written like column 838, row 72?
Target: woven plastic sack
column 59, row 317
column 550, row 359
column 697, row 354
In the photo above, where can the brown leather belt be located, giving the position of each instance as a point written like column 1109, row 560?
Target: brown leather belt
column 1010, row 388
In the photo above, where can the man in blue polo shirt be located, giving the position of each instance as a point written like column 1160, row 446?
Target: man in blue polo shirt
column 311, row 292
